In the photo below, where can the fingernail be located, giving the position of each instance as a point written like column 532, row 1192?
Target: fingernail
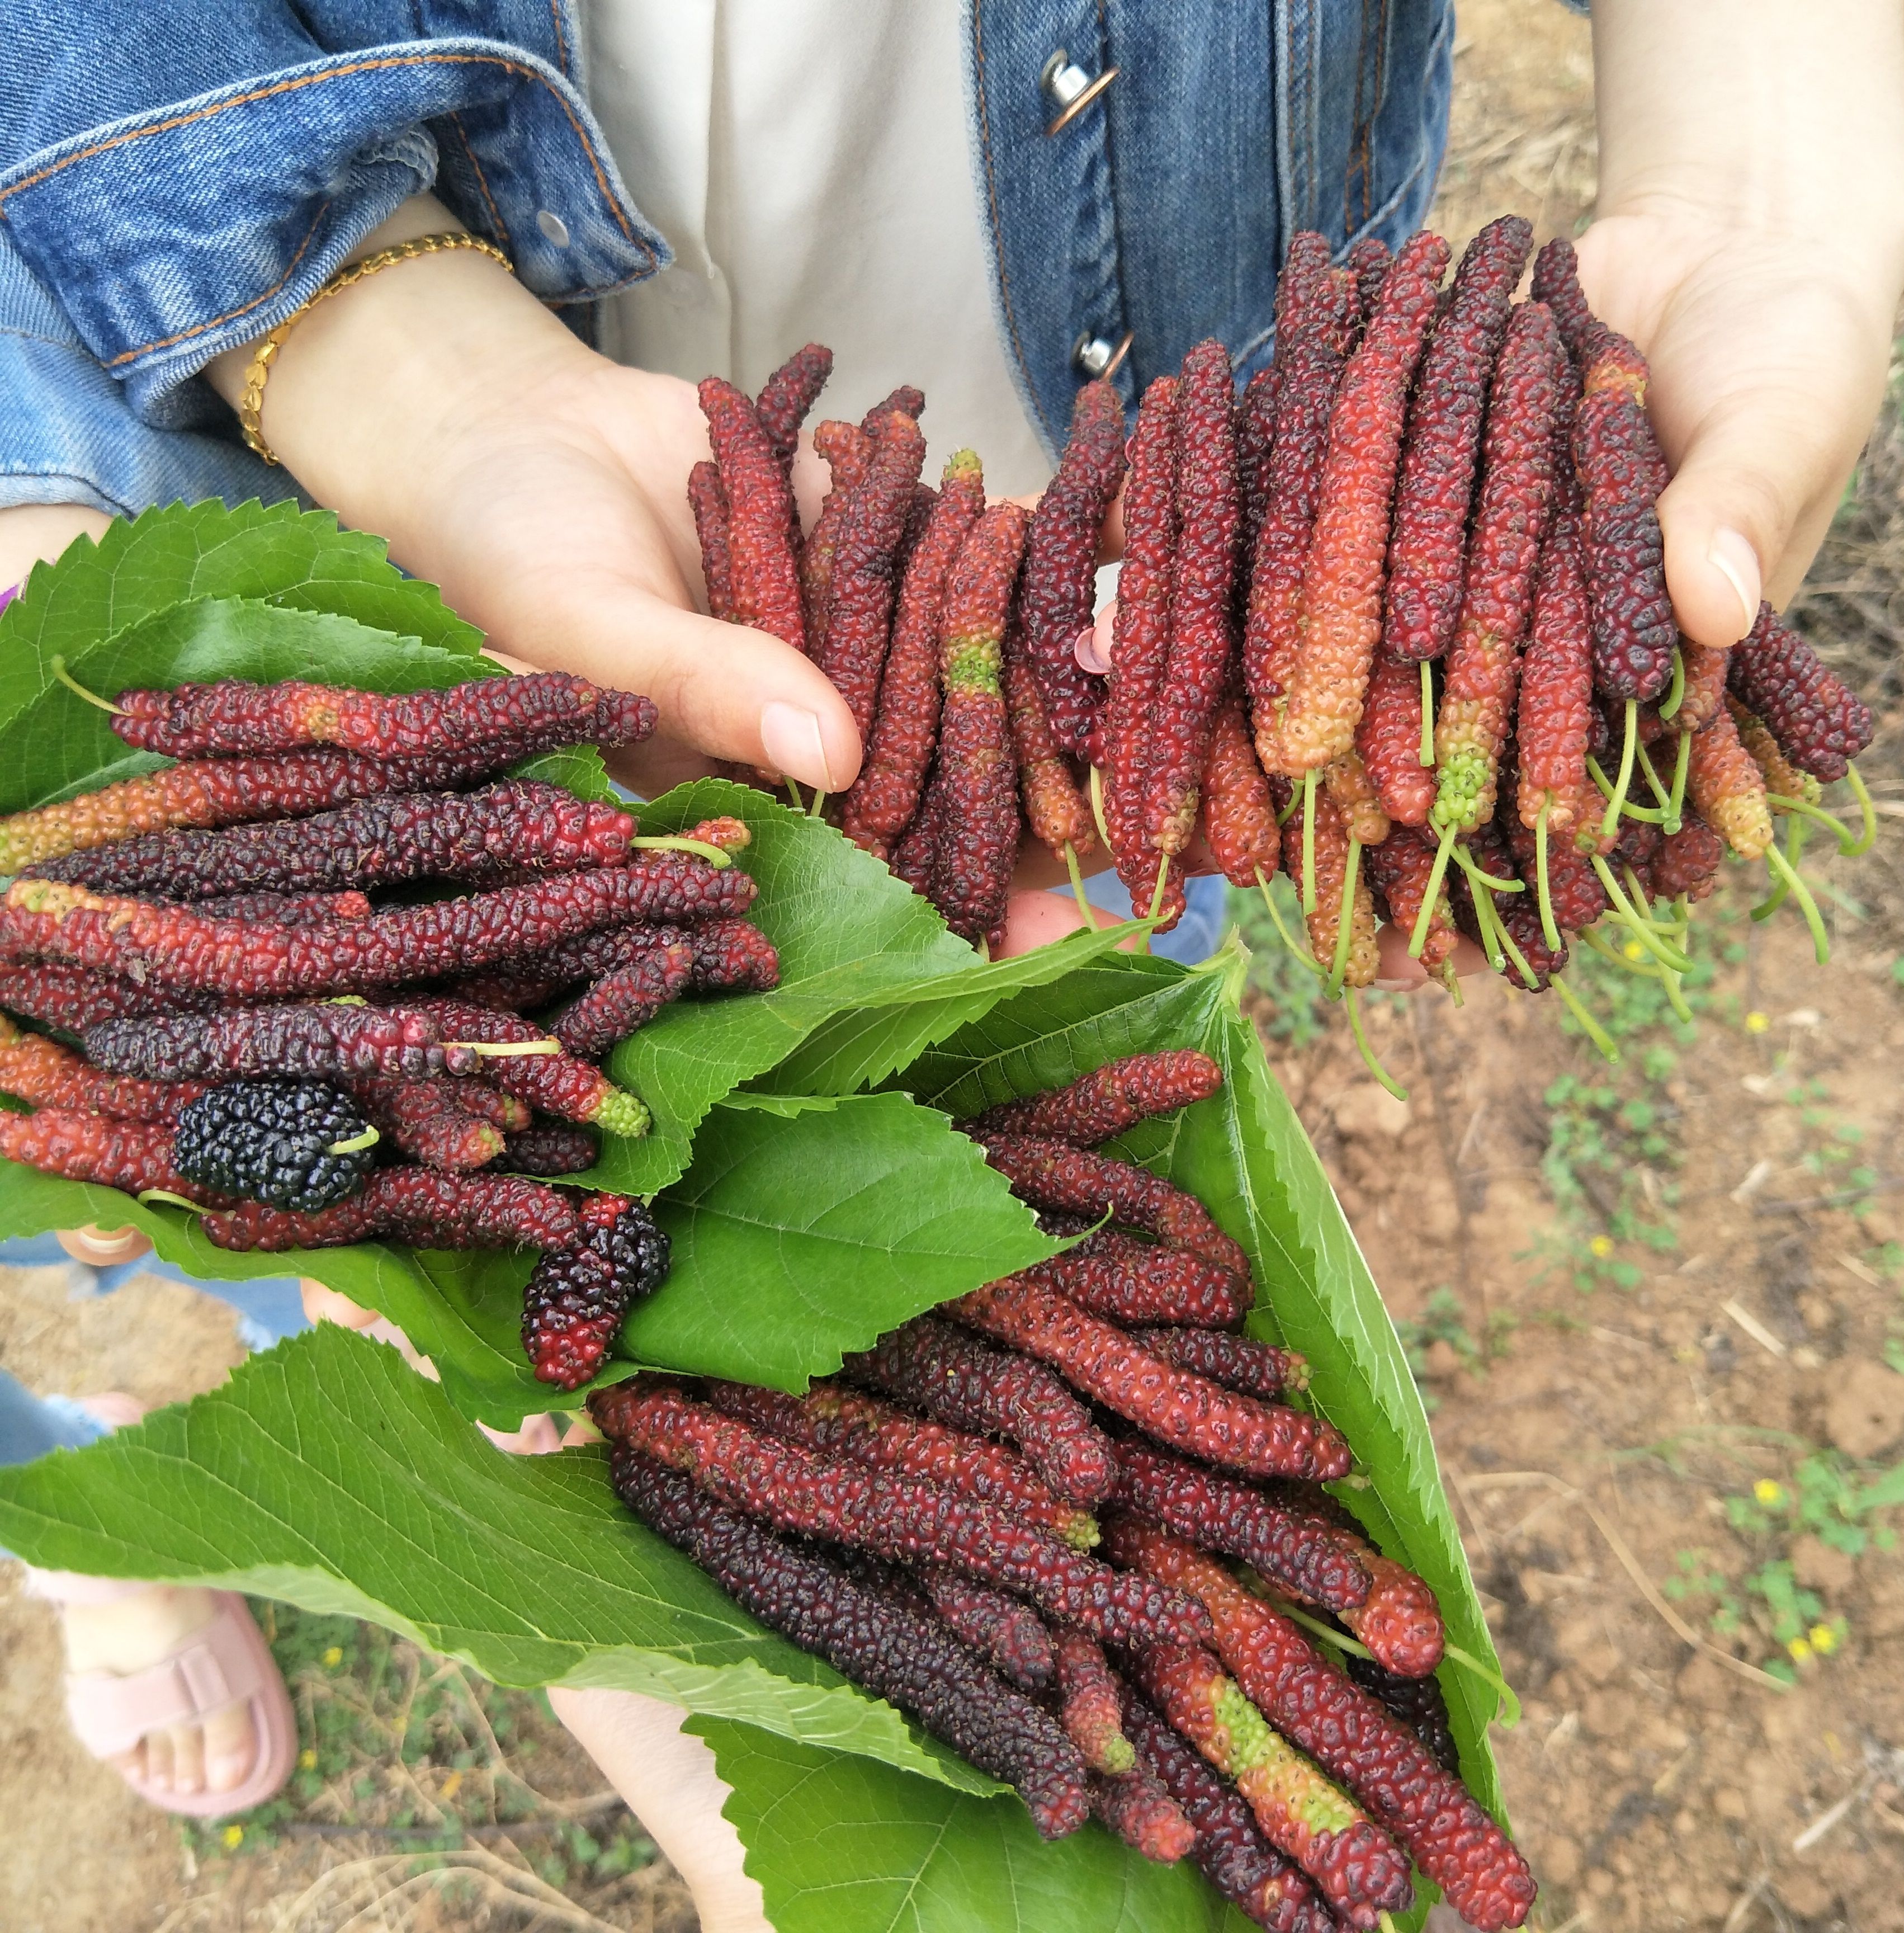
column 1737, row 562
column 1093, row 655
column 790, row 736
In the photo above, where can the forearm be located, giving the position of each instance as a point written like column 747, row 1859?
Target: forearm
column 374, row 387
column 1760, row 114
column 32, row 532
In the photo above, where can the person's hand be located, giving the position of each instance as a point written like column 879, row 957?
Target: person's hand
column 545, row 488
column 1751, row 241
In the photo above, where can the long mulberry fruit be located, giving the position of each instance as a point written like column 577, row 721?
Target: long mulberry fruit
column 1109, row 1099
column 1350, row 1735
column 847, row 1423
column 1728, row 790
column 1821, row 726
column 1355, row 1866
column 424, row 1207
column 134, row 1156
column 521, row 825
column 427, row 1121
column 765, row 580
column 1089, row 1705
column 1230, row 1850
column 1197, row 668
column 325, row 1040
column 1316, row 312
column 1077, row 1182
column 1143, row 1815
column 1055, row 809
column 978, row 827
column 1060, row 564
column 1011, row 1634
column 882, row 800
column 1238, row 816
column 892, row 1652
column 852, row 650
column 556, row 1083
column 1140, row 632
column 47, row 919
column 1300, row 1554
column 1112, row 1275
column 1188, row 1411
column 787, row 395
column 892, row 1517
column 237, row 719
column 1238, row 1361
column 1389, row 742
column 1341, row 617
column 1511, row 514
column 967, row 1384
column 620, row 1003
column 1423, row 598
column 45, row 1074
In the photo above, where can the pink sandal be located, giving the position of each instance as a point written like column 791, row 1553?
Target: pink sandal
column 225, row 1662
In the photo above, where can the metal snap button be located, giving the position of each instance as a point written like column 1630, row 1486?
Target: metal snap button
column 1097, row 357
column 1070, row 89
column 553, row 227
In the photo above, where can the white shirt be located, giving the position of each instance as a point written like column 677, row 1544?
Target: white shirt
column 808, row 161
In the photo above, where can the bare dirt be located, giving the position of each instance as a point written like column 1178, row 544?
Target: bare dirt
column 1604, row 1404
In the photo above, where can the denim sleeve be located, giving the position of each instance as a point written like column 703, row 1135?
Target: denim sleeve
column 179, row 179
column 68, row 433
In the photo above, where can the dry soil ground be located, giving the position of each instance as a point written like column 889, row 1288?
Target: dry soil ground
column 1636, row 1296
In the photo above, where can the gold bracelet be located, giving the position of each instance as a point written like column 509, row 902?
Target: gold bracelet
column 258, row 372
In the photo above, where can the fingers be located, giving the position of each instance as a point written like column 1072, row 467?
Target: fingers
column 1093, row 648
column 1768, row 365
column 1397, row 974
column 103, row 1248
column 323, row 1304
column 1036, row 919
column 724, row 691
column 667, row 1777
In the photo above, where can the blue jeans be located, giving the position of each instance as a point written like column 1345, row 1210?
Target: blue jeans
column 1195, row 936
column 269, row 1310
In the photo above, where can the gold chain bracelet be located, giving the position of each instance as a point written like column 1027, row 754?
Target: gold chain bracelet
column 258, row 371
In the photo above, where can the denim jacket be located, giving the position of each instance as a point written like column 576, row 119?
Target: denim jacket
column 175, row 180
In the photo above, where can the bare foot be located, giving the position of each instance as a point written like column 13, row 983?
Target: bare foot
column 134, row 1633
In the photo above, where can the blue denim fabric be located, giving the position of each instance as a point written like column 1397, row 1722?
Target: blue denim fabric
column 1164, row 210
column 1195, row 936
column 31, row 1425
column 176, row 179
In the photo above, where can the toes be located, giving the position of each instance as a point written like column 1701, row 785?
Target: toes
column 159, row 1760
column 187, row 1759
column 230, row 1748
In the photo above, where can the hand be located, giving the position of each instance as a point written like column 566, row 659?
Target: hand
column 1751, row 241
column 544, row 489
column 667, row 1777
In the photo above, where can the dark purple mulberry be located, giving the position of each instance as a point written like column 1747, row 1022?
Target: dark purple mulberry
column 882, row 1645
column 576, row 1298
column 966, row 1384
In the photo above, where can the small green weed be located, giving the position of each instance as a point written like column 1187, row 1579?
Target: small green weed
column 1826, row 1496
column 1297, row 1013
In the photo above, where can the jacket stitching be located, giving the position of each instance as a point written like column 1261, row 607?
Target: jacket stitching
column 992, row 205
column 501, row 227
column 232, row 315
column 561, row 38
column 310, row 80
